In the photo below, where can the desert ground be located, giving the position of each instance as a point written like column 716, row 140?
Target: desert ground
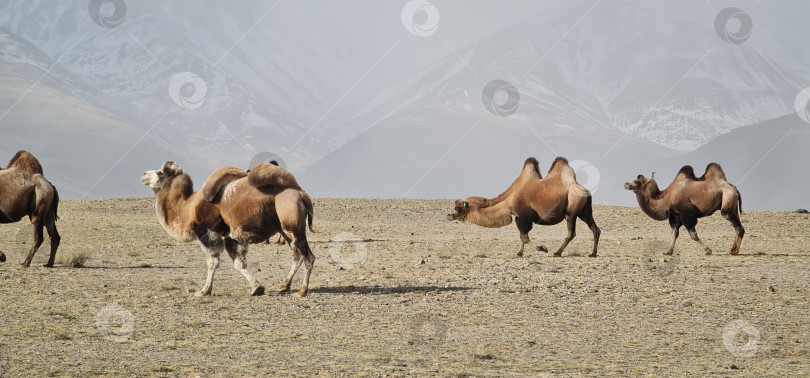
column 398, row 290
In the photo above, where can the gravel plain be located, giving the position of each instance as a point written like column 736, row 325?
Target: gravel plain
column 398, row 290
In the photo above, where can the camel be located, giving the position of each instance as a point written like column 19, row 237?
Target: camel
column 24, row 191
column 534, row 199
column 259, row 204
column 187, row 216
column 688, row 198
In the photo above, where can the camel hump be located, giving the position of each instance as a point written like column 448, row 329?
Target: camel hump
column 533, row 163
column 266, row 174
column 558, row 165
column 24, row 160
column 714, row 172
column 687, row 172
column 221, row 177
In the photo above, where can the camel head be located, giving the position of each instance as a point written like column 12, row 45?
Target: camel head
column 463, row 207
column 640, row 184
column 157, row 179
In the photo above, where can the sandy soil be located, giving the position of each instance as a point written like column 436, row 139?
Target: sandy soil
column 397, row 290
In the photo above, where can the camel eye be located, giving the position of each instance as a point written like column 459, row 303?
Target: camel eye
column 465, row 204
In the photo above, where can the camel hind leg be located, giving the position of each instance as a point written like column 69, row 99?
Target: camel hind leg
column 53, row 235
column 587, row 216
column 731, row 212
column 238, row 253
column 675, row 224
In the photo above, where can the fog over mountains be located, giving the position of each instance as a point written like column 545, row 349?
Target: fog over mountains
column 409, row 99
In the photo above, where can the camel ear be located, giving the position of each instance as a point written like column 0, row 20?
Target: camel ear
column 171, row 168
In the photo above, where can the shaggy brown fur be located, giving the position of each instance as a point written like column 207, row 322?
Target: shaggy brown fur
column 534, row 200
column 187, row 216
column 266, row 202
column 688, row 198
column 24, row 191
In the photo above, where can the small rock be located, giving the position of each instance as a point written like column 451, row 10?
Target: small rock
column 772, row 289
column 734, row 367
column 636, row 238
column 422, row 262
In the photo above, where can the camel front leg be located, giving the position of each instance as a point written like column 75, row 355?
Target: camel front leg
column 238, row 253
column 572, row 232
column 212, row 245
column 524, row 225
column 38, row 239
column 689, row 222
column 212, row 261
column 675, row 225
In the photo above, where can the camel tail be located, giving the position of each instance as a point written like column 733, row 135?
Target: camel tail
column 739, row 199
column 55, row 203
column 310, row 210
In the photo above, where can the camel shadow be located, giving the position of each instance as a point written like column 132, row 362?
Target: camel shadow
column 381, row 290
column 142, row 266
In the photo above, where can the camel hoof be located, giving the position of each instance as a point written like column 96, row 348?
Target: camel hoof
column 520, row 254
column 708, row 251
column 283, row 289
column 258, row 290
column 592, row 255
column 541, row 248
column 26, row 264
column 557, row 254
column 667, row 253
column 48, row 265
column 300, row 294
column 202, row 293
column 735, row 253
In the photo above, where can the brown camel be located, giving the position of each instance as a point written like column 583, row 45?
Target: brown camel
column 259, row 204
column 24, row 191
column 688, row 198
column 533, row 199
column 187, row 216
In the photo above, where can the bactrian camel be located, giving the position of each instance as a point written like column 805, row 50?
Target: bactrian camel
column 188, row 216
column 688, row 198
column 24, row 191
column 533, row 199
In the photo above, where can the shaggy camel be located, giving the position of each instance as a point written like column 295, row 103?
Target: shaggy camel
column 25, row 191
column 259, row 204
column 187, row 216
column 688, row 198
column 533, row 199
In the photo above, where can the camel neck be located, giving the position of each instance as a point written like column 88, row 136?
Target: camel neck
column 493, row 214
column 654, row 204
